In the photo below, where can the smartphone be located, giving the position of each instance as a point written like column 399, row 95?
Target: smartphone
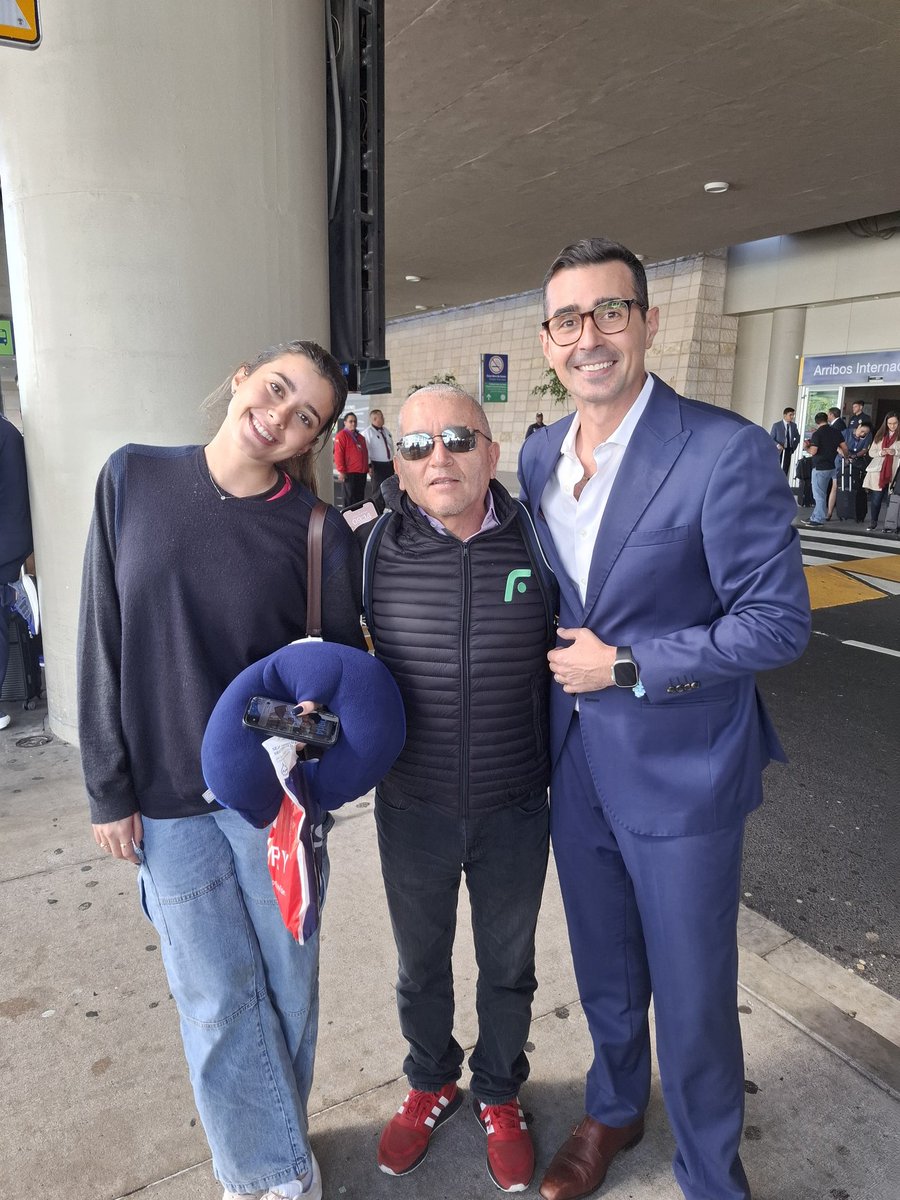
column 275, row 717
column 361, row 516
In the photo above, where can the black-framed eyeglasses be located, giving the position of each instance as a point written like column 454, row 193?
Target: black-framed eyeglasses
column 458, row 439
column 611, row 316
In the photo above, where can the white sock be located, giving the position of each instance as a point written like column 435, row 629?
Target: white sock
column 294, row 1189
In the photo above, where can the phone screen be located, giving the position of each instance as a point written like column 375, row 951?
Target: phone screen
column 275, row 717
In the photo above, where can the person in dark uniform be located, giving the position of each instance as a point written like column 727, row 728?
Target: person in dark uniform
column 15, row 541
column 537, row 423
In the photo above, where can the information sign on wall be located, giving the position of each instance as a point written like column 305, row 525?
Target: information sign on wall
column 7, row 347
column 494, row 378
column 844, row 370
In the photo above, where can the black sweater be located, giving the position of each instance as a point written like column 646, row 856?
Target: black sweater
column 181, row 591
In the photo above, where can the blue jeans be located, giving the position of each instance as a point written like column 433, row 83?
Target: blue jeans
column 821, row 483
column 876, row 499
column 247, row 993
column 503, row 853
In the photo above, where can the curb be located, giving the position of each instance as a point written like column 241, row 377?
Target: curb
column 845, row 1014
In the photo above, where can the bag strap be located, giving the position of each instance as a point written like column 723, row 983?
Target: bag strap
column 314, row 569
column 376, row 533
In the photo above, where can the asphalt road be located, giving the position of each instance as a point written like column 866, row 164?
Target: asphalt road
column 821, row 856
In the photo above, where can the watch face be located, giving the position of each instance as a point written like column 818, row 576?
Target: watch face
column 625, row 673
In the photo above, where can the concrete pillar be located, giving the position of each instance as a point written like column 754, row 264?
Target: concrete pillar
column 163, row 169
column 785, row 349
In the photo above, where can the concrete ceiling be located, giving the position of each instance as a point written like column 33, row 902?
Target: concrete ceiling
column 516, row 126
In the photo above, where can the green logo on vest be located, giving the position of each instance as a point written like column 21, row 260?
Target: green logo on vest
column 512, row 585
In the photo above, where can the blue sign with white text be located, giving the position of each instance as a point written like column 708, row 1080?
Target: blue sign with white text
column 841, row 370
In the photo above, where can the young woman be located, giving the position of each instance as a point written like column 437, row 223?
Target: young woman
column 351, row 459
column 884, row 456
column 195, row 568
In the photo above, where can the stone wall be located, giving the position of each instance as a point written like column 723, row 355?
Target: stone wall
column 694, row 350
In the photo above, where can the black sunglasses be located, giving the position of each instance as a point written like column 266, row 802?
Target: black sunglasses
column 458, row 439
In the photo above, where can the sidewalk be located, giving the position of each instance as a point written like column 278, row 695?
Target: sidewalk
column 95, row 1093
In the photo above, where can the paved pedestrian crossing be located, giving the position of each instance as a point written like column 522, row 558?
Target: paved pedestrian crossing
column 848, row 567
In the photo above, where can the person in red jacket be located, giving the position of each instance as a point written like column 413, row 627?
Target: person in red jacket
column 351, row 458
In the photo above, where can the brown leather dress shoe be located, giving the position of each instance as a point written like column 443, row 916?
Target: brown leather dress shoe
column 580, row 1164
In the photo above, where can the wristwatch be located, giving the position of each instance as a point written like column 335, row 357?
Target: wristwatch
column 625, row 673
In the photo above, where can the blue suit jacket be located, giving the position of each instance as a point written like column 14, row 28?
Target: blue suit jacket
column 697, row 568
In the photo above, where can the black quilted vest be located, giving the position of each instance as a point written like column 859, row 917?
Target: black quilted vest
column 464, row 627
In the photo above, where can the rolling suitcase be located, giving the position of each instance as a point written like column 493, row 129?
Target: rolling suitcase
column 804, row 483
column 23, row 673
column 846, row 496
column 892, row 516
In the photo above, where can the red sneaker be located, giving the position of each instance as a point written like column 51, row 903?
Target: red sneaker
column 510, row 1153
column 404, row 1140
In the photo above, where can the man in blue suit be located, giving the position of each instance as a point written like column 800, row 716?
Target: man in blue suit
column 668, row 523
column 786, row 436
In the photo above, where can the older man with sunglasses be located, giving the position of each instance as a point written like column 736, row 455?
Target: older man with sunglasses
column 461, row 607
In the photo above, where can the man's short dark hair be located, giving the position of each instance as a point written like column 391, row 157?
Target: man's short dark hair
column 821, row 418
column 788, row 410
column 864, row 424
column 591, row 252
column 834, row 412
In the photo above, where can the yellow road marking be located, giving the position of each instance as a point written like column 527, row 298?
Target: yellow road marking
column 878, row 568
column 829, row 587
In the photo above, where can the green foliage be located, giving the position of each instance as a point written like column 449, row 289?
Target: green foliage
column 446, row 377
column 550, row 388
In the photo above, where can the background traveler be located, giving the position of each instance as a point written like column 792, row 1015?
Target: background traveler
column 836, row 422
column 351, row 459
column 16, row 595
column 380, row 446
column 786, row 436
column 883, row 463
column 859, row 438
column 825, row 445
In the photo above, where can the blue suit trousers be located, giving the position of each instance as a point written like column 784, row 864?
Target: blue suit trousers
column 656, row 915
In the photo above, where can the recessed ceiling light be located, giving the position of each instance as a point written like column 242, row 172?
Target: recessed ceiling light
column 421, row 307
column 716, row 187
column 413, row 278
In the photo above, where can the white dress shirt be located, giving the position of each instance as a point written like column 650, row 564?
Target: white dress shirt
column 573, row 523
column 380, row 444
